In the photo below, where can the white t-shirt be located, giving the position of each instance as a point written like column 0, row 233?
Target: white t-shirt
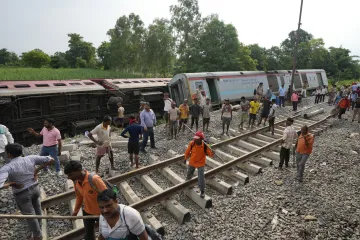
column 272, row 110
column 288, row 136
column 120, row 230
column 167, row 104
column 103, row 135
column 121, row 111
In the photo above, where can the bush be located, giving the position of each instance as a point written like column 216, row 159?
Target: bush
column 36, row 58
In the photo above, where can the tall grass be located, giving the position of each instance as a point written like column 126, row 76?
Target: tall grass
column 60, row 74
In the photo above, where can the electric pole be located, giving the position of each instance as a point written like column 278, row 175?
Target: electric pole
column 295, row 52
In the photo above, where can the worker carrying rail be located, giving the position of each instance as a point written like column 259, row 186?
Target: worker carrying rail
column 197, row 150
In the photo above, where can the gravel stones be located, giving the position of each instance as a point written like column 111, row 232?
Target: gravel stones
column 329, row 192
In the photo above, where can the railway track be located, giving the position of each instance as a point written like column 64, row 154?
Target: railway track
column 238, row 158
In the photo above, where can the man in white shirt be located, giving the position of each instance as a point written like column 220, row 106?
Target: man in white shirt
column 282, row 92
column 286, row 142
column 226, row 116
column 323, row 93
column 103, row 142
column 167, row 106
column 5, row 139
column 118, row 221
column 272, row 116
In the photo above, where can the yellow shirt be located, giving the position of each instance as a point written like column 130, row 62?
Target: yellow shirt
column 184, row 111
column 254, row 107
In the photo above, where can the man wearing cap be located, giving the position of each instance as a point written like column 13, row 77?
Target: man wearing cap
column 226, row 116
column 184, row 114
column 134, row 131
column 148, row 121
column 174, row 114
column 167, row 106
column 259, row 92
column 197, row 150
column 206, row 114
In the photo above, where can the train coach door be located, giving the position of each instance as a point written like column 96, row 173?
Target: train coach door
column 212, row 84
column 176, row 93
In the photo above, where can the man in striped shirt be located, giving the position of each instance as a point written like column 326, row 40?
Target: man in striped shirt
column 117, row 221
column 22, row 177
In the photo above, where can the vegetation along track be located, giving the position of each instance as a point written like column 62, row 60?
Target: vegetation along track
column 236, row 158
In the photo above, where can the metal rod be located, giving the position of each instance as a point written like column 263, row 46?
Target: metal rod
column 12, row 216
column 295, row 52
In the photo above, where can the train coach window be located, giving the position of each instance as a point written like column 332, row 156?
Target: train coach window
column 116, row 82
column 3, row 86
column 42, row 85
column 135, row 81
column 151, row 81
column 127, row 82
column 59, row 84
column 89, row 83
column 74, row 83
column 297, row 81
column 21, row 85
column 144, row 81
column 272, row 80
column 159, row 80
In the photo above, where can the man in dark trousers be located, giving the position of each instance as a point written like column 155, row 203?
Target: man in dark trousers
column 195, row 111
column 134, row 131
column 86, row 194
column 286, row 142
column 148, row 122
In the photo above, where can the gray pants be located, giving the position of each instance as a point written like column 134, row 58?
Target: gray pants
column 300, row 164
column 28, row 201
column 243, row 118
column 201, row 177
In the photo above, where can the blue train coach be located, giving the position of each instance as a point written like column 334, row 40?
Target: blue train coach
column 233, row 85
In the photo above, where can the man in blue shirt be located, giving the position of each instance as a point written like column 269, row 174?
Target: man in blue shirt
column 148, row 121
column 282, row 95
column 133, row 145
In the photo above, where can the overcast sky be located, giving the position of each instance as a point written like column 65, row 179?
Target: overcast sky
column 44, row 24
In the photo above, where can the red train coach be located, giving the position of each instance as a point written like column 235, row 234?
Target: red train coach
column 76, row 105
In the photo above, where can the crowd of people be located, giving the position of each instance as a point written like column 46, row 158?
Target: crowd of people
column 98, row 197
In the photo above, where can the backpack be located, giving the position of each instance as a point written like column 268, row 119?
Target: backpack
column 107, row 184
column 255, row 91
column 205, row 147
column 150, row 231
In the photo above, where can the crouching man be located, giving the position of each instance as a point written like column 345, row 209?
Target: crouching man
column 118, row 221
column 197, row 151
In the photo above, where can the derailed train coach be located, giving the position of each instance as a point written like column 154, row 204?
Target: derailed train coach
column 76, row 105
column 233, row 85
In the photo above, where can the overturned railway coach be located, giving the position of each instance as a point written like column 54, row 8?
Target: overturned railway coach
column 233, row 85
column 76, row 105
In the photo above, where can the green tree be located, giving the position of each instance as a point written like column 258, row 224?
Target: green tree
column 8, row 58
column 127, row 43
column 35, row 58
column 78, row 48
column 103, row 53
column 187, row 24
column 159, row 51
column 219, row 49
column 80, row 63
column 58, row 60
column 259, row 54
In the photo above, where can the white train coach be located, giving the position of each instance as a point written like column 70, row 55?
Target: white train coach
column 233, row 85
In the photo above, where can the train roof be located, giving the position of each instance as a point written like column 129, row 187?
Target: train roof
column 16, row 88
column 236, row 73
column 139, row 82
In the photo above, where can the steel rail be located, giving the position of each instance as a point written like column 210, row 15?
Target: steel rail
column 169, row 192
column 66, row 196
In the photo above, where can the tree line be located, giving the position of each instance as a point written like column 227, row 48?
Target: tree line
column 188, row 42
